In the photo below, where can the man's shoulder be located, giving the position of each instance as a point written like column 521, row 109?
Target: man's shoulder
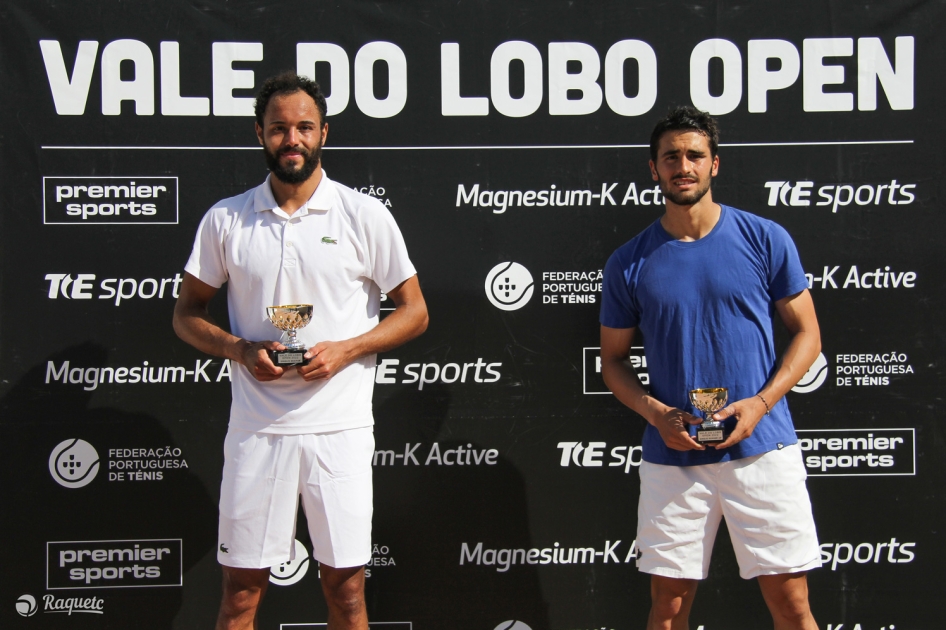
column 752, row 221
column 236, row 203
column 639, row 246
column 356, row 202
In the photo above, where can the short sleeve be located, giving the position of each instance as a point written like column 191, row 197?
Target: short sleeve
column 618, row 309
column 207, row 262
column 388, row 262
column 786, row 276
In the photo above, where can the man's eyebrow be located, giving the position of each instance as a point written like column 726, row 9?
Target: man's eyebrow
column 301, row 122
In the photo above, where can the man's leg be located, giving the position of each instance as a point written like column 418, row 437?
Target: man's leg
column 243, row 590
column 344, row 591
column 787, row 598
column 671, row 600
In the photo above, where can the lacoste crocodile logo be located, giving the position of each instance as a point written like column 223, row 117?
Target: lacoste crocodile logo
column 328, row 240
column 224, row 549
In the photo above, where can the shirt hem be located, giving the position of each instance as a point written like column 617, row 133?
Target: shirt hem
column 726, row 456
column 302, row 429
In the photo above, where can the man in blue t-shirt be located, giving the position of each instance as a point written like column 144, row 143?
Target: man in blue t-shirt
column 702, row 284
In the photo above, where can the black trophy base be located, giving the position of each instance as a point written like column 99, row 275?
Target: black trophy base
column 288, row 358
column 710, row 433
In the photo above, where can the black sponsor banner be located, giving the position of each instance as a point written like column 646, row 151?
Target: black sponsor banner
column 509, row 141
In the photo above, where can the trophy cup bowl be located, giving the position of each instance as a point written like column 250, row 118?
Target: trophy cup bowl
column 289, row 318
column 709, row 400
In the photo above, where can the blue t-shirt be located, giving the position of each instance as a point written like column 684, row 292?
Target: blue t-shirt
column 705, row 309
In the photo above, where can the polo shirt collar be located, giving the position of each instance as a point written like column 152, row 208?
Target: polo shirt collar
column 321, row 200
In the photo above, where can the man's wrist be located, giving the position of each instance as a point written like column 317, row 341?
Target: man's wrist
column 240, row 348
column 768, row 408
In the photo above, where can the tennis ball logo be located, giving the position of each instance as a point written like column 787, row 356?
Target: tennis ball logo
column 74, row 463
column 509, row 286
column 291, row 571
column 512, row 625
column 26, row 605
column 814, row 377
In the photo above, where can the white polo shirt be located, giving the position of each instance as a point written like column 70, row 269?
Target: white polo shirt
column 337, row 252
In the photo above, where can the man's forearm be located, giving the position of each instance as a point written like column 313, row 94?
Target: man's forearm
column 197, row 328
column 405, row 323
column 796, row 360
column 624, row 383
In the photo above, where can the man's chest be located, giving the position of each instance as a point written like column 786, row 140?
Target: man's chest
column 312, row 245
column 687, row 279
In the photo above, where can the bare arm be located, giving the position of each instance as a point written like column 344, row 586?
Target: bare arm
column 193, row 324
column 408, row 321
column 622, row 380
column 798, row 314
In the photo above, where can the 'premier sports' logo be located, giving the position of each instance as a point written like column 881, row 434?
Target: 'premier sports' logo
column 74, row 463
column 858, row 452
column 110, row 200
column 509, row 286
column 113, row 563
column 594, row 382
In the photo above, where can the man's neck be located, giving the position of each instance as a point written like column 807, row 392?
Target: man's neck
column 291, row 197
column 691, row 223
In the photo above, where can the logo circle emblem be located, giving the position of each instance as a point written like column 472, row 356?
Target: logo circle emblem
column 509, row 286
column 291, row 571
column 814, row 377
column 74, row 463
column 26, row 605
column 512, row 624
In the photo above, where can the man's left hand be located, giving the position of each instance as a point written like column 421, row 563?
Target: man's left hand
column 327, row 359
column 747, row 413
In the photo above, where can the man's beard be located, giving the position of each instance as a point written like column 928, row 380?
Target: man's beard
column 293, row 174
column 685, row 198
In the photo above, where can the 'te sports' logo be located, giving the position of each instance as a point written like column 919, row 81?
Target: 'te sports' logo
column 509, row 286
column 74, row 463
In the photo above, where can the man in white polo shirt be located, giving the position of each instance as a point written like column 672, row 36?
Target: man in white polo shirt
column 298, row 238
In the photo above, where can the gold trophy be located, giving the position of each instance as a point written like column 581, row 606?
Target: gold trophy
column 289, row 318
column 709, row 400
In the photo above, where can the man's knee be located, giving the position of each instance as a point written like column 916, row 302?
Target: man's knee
column 787, row 596
column 243, row 589
column 670, row 596
column 793, row 608
column 344, row 589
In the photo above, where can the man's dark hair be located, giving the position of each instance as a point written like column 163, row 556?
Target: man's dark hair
column 288, row 83
column 687, row 119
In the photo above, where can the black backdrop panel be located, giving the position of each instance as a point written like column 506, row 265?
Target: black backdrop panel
column 509, row 141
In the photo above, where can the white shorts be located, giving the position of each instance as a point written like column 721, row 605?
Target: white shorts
column 765, row 503
column 263, row 477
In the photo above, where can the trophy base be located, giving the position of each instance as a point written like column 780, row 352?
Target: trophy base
column 710, row 433
column 288, row 357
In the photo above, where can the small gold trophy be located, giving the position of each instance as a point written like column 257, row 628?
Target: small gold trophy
column 289, row 318
column 709, row 400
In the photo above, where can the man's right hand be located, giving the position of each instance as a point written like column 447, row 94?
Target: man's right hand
column 672, row 426
column 255, row 357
